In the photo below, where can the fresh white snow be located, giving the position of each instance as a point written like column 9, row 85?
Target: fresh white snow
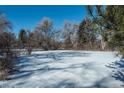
column 65, row 68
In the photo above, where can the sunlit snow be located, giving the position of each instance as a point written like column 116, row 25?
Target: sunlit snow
column 65, row 68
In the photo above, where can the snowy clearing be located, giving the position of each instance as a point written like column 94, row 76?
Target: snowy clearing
column 65, row 68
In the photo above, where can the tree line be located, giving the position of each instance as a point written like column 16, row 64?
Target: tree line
column 101, row 29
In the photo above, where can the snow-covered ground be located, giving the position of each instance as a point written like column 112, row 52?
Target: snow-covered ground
column 65, row 68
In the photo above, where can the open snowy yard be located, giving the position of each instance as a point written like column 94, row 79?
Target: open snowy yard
column 65, row 68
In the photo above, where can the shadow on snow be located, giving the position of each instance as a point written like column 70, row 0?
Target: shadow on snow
column 25, row 62
column 118, row 70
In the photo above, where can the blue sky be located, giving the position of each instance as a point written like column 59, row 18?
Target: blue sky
column 29, row 16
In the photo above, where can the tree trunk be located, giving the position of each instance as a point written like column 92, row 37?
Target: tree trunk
column 103, row 44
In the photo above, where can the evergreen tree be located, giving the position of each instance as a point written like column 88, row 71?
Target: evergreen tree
column 23, row 38
column 111, row 21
